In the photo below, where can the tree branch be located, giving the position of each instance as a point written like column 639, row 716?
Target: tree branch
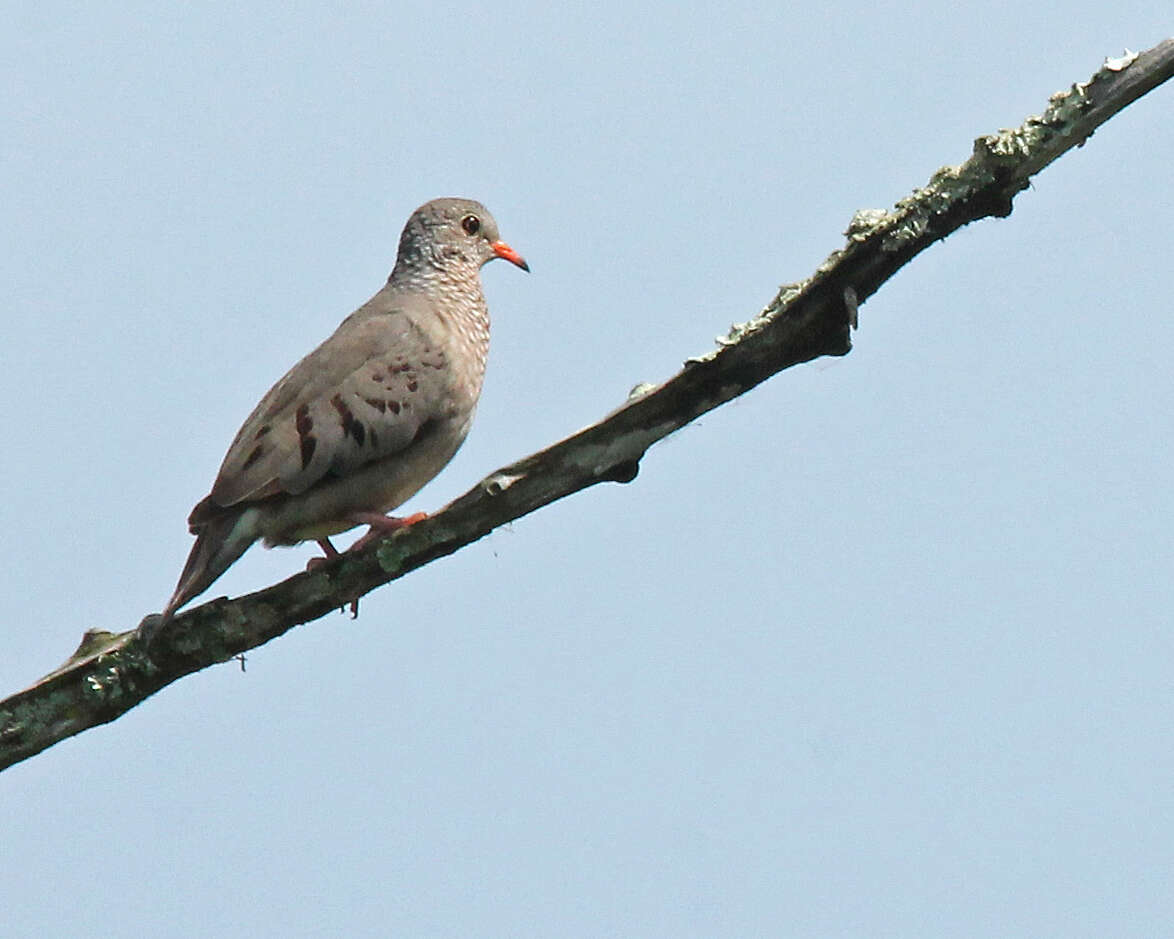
column 111, row 673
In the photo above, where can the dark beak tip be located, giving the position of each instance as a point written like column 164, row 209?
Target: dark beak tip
column 502, row 250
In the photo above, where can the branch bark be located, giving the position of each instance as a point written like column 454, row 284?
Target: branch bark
column 111, row 672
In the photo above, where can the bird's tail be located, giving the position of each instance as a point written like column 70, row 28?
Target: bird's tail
column 219, row 542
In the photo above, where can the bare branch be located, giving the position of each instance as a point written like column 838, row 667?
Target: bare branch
column 111, row 673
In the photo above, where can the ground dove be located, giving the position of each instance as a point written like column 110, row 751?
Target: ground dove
column 359, row 425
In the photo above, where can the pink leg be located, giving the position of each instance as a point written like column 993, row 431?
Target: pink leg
column 329, row 550
column 332, row 555
column 381, row 526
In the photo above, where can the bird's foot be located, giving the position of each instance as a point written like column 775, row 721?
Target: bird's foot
column 382, row 526
column 332, row 555
column 331, row 552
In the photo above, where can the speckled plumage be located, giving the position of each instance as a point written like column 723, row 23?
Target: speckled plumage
column 365, row 420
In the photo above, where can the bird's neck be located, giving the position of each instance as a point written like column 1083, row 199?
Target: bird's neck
column 455, row 284
column 456, row 300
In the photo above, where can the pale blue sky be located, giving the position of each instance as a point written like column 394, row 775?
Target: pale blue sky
column 883, row 648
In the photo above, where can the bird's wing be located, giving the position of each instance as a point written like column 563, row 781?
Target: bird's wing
column 363, row 395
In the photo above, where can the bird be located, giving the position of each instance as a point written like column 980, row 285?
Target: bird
column 359, row 425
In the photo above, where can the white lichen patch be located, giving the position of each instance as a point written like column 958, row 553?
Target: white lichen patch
column 1120, row 64
column 641, row 389
column 867, row 222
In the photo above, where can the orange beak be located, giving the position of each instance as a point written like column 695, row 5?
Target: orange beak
column 502, row 250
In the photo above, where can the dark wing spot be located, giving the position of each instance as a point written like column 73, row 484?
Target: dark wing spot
column 308, row 445
column 262, row 432
column 254, row 456
column 344, row 413
column 393, row 406
column 304, row 423
column 302, row 420
column 349, row 425
column 377, row 376
column 412, row 386
column 377, row 403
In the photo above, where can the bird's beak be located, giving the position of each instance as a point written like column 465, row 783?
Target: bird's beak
column 502, row 250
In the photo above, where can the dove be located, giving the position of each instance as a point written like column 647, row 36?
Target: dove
column 360, row 424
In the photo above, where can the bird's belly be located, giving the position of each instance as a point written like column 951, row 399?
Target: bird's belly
column 328, row 507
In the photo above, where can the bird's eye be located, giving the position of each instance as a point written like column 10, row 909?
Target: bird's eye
column 471, row 224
